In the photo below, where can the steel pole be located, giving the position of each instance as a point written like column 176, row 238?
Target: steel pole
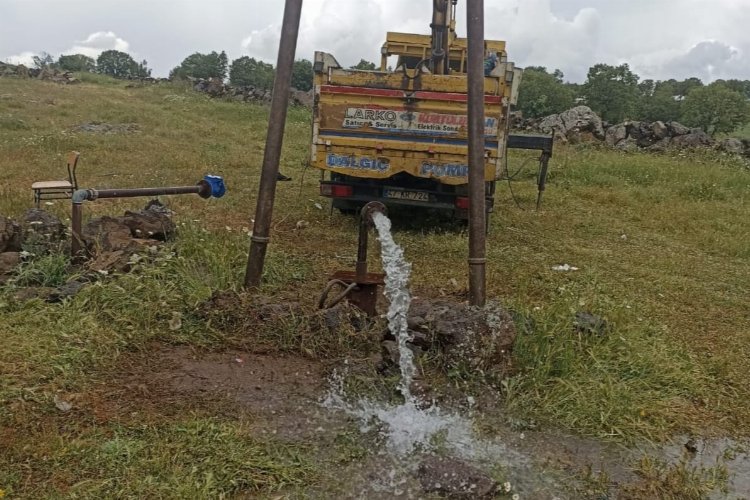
column 477, row 213
column 274, row 140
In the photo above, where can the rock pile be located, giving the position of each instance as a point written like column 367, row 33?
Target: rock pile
column 581, row 124
column 51, row 74
column 215, row 87
column 481, row 339
column 656, row 136
column 112, row 241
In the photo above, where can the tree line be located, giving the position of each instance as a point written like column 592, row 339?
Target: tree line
column 110, row 62
column 617, row 94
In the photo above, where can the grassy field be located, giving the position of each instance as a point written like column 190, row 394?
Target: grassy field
column 662, row 244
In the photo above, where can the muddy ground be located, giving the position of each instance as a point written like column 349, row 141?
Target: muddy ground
column 281, row 395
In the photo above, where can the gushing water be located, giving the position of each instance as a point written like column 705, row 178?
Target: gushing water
column 397, row 272
column 407, row 426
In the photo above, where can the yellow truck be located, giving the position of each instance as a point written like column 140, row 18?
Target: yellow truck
column 399, row 135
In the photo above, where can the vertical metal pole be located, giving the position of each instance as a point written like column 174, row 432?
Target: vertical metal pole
column 274, row 139
column 477, row 214
column 76, row 238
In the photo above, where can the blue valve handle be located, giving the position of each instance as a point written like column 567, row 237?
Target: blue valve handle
column 217, row 185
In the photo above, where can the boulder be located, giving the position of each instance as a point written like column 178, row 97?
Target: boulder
column 629, row 144
column 676, row 129
column 661, row 145
column 695, row 139
column 10, row 235
column 152, row 222
column 482, row 337
column 659, row 130
column 732, row 145
column 615, row 134
column 9, row 261
column 571, row 123
column 642, row 133
column 106, row 234
column 42, row 232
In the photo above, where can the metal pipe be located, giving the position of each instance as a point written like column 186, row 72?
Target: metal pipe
column 210, row 185
column 274, row 139
column 365, row 223
column 477, row 213
column 76, row 238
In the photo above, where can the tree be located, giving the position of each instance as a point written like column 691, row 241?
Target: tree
column 363, row 64
column 716, row 109
column 542, row 93
column 612, row 91
column 247, row 71
column 121, row 65
column 213, row 65
column 76, row 62
column 657, row 102
column 43, row 60
column 302, row 75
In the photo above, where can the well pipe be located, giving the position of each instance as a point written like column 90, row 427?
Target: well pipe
column 210, row 185
column 274, row 138
column 477, row 213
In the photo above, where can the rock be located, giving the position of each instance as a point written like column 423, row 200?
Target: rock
column 10, row 235
column 106, row 234
column 69, row 289
column 153, row 222
column 585, row 322
column 629, row 145
column 695, row 139
column 9, row 261
column 389, row 352
column 661, row 145
column 482, row 337
column 676, row 129
column 42, row 232
column 733, row 146
column 110, row 261
column 454, row 479
column 659, row 130
column 642, row 133
column 615, row 134
column 571, row 123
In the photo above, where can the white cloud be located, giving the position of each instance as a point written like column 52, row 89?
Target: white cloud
column 98, row 42
column 25, row 58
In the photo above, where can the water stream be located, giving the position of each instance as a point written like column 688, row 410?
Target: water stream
column 411, row 425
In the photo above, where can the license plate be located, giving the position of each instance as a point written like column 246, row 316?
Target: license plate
column 402, row 194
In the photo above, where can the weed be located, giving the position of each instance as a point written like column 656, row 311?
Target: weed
column 675, row 482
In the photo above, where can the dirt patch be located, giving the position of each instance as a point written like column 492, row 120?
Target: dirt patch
column 279, row 392
column 107, row 128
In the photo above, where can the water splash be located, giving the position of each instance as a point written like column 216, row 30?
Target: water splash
column 397, row 272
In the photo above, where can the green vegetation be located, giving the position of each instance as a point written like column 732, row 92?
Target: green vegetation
column 661, row 243
column 247, row 71
column 716, row 108
column 213, row 65
column 121, row 65
column 543, row 93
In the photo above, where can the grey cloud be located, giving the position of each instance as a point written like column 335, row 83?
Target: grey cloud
column 709, row 60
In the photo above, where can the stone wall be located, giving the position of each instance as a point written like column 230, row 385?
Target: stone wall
column 215, row 87
column 581, row 124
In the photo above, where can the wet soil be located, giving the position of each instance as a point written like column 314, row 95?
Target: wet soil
column 280, row 395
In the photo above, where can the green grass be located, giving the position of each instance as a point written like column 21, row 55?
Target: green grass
column 662, row 243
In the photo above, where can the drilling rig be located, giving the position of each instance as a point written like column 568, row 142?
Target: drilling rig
column 399, row 134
